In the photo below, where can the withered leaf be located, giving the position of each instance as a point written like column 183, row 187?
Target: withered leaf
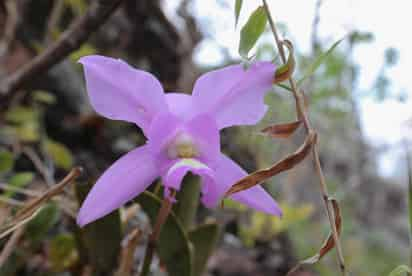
column 281, row 130
column 283, row 165
column 328, row 244
column 285, row 71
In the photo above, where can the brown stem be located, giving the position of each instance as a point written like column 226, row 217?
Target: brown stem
column 300, row 108
column 164, row 212
column 69, row 41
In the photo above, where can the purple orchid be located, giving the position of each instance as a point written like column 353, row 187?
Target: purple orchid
column 182, row 132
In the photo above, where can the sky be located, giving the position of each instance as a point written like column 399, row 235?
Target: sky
column 383, row 122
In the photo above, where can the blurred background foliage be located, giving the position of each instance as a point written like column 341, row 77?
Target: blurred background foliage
column 48, row 127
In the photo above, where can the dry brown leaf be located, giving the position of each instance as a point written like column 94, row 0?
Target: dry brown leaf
column 285, row 71
column 328, row 244
column 283, row 165
column 282, row 130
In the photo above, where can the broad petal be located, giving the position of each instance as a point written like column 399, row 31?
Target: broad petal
column 125, row 179
column 120, row 92
column 233, row 95
column 228, row 172
column 180, row 105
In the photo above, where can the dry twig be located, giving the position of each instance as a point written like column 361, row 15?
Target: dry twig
column 69, row 41
column 31, row 208
column 10, row 245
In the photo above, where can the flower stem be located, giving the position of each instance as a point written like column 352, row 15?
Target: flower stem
column 301, row 114
column 164, row 212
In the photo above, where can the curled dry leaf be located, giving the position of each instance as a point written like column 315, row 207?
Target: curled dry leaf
column 328, row 244
column 281, row 166
column 285, row 71
column 281, row 130
column 30, row 209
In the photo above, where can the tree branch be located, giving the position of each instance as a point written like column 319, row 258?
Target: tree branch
column 69, row 41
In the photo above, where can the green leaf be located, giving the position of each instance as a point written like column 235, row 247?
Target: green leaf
column 204, row 239
column 28, row 132
column 99, row 241
column 40, row 225
column 238, row 7
column 318, row 61
column 400, row 270
column 19, row 180
column 78, row 6
column 251, row 31
column 44, row 97
column 6, row 161
column 20, row 115
column 284, row 87
column 85, row 49
column 59, row 153
column 62, row 252
column 188, row 200
column 174, row 246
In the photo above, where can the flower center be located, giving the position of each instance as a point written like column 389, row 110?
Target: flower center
column 182, row 147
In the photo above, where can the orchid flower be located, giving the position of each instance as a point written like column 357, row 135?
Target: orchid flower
column 182, row 132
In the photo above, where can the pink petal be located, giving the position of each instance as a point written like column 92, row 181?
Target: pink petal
column 125, row 179
column 163, row 129
column 228, row 173
column 120, row 92
column 180, row 105
column 235, row 96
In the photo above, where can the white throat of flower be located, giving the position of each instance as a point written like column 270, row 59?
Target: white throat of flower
column 188, row 162
column 182, row 147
